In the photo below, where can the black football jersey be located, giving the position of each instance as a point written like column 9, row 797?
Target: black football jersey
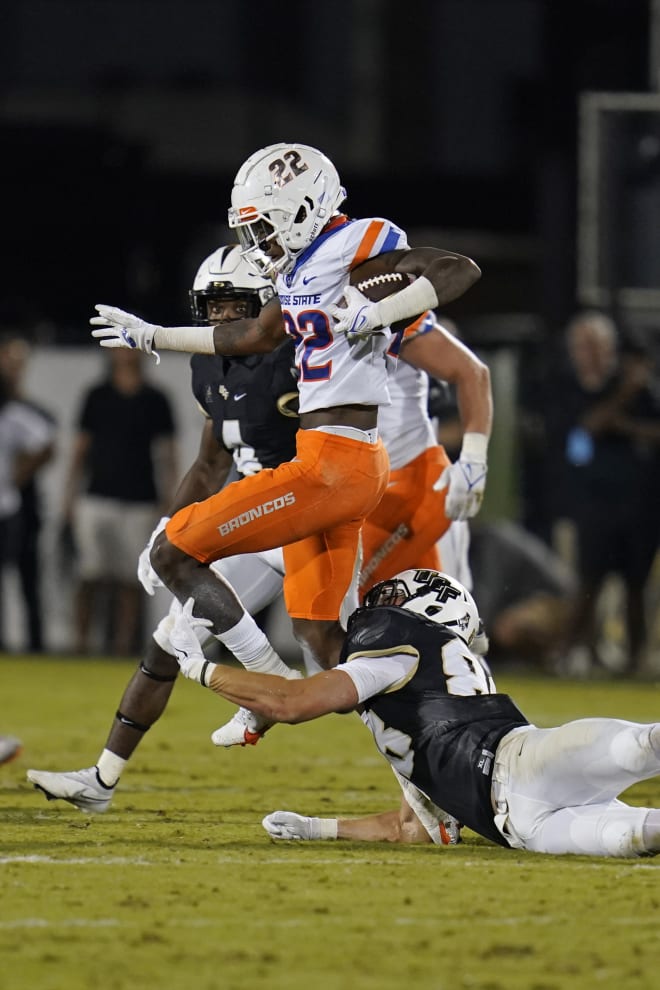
column 442, row 727
column 252, row 401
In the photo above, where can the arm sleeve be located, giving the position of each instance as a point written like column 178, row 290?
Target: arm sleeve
column 379, row 674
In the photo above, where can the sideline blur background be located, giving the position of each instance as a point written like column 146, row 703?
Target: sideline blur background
column 524, row 133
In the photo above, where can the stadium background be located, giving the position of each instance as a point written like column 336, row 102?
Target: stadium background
column 524, row 133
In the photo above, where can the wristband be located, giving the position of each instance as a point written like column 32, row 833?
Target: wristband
column 192, row 340
column 411, row 301
column 324, row 828
column 474, row 447
column 207, row 673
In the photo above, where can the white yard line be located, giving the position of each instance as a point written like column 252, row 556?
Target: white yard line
column 623, row 866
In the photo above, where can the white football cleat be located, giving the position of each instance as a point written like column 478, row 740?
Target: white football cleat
column 450, row 831
column 246, row 728
column 243, row 729
column 82, row 788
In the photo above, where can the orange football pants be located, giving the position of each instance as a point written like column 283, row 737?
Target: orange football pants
column 404, row 528
column 313, row 506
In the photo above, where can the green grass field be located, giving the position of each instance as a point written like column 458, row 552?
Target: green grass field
column 178, row 886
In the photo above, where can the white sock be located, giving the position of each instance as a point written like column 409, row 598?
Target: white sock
column 110, row 767
column 250, row 646
column 651, row 831
column 311, row 664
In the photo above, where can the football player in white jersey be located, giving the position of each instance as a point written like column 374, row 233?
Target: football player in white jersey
column 430, row 701
column 414, row 513
column 286, row 211
column 416, row 509
column 224, row 288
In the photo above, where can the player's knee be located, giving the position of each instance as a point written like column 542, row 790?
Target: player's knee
column 166, row 559
column 632, row 749
column 160, row 649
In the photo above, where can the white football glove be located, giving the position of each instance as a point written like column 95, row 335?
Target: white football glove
column 288, row 825
column 186, row 645
column 145, row 572
column 359, row 319
column 465, row 481
column 121, row 329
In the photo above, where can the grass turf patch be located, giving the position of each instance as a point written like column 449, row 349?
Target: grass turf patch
column 178, row 886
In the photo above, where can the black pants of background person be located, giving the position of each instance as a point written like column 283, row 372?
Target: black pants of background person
column 8, row 549
column 19, row 551
column 614, row 539
column 29, row 575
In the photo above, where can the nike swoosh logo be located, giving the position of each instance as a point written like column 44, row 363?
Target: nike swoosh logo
column 308, row 279
column 241, row 396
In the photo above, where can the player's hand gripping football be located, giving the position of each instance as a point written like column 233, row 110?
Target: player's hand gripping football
column 120, row 329
column 465, row 481
column 358, row 318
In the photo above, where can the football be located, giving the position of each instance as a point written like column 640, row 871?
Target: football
column 377, row 285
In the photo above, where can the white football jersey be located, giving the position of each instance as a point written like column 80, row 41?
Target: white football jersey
column 332, row 371
column 404, row 426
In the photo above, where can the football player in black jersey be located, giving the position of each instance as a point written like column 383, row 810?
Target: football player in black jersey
column 250, row 409
column 242, row 399
column 434, row 712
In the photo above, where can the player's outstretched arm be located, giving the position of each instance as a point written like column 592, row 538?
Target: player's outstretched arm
column 276, row 698
column 399, row 825
column 282, row 700
column 116, row 328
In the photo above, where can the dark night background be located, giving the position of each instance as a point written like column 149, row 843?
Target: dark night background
column 523, row 133
column 123, row 122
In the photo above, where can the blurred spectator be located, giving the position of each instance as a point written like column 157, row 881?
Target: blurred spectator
column 14, row 358
column 122, row 473
column 604, row 447
column 26, row 443
column 524, row 592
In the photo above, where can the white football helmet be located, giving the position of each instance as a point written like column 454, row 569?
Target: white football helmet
column 225, row 275
column 286, row 193
column 431, row 595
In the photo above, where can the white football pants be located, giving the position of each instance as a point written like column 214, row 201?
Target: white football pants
column 555, row 790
